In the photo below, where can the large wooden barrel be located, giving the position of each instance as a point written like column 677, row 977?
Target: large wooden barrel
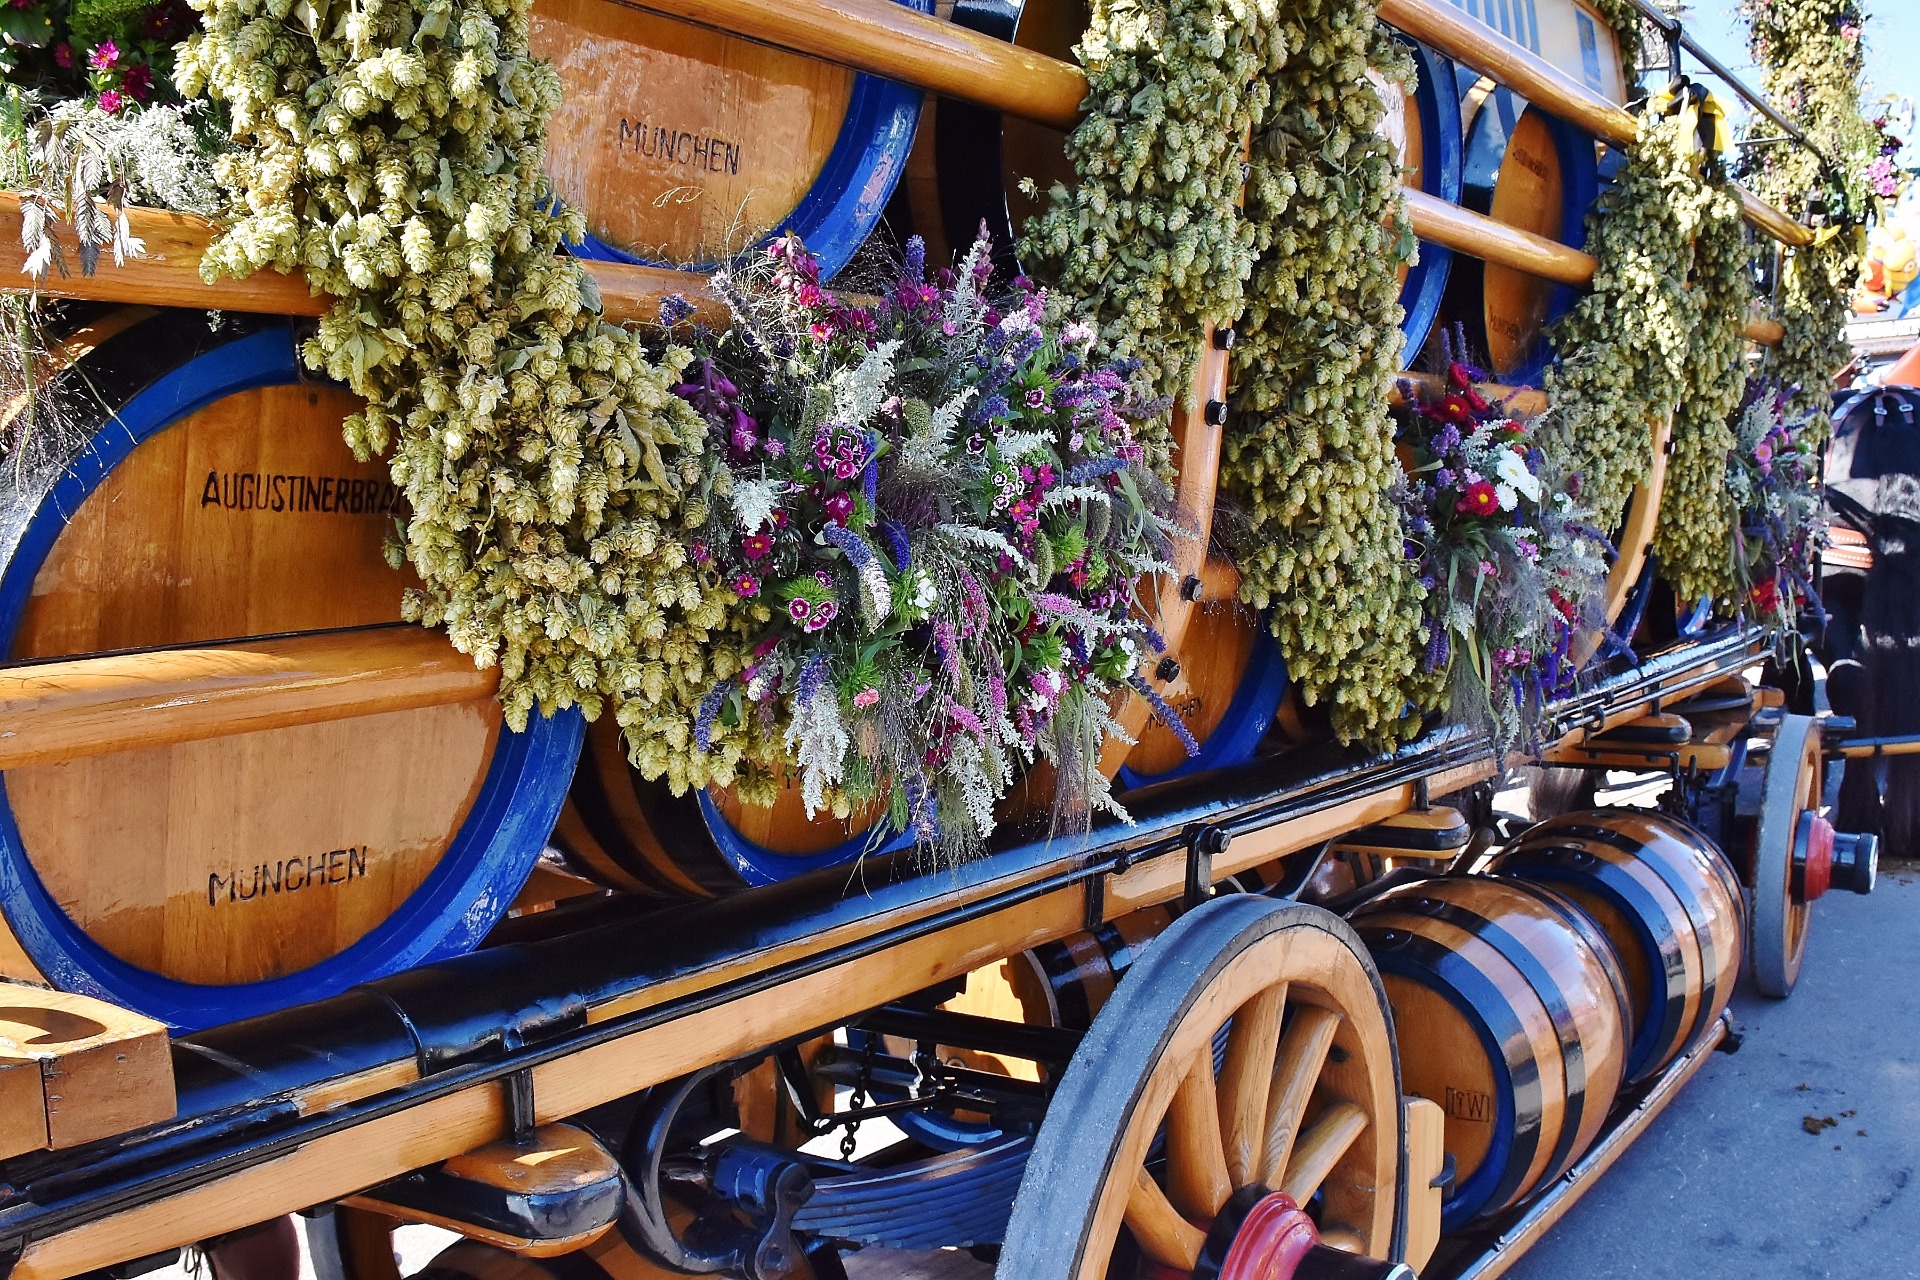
column 1425, row 126
column 638, row 837
column 1669, row 902
column 1509, row 1011
column 684, row 146
column 1530, row 170
column 1227, row 681
column 207, row 495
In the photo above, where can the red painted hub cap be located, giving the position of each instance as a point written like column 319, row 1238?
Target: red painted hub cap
column 1271, row 1241
column 1816, row 868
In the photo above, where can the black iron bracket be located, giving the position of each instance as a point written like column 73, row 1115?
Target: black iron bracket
column 1203, row 845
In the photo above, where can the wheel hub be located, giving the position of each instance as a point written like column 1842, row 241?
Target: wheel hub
column 1264, row 1235
column 1812, row 857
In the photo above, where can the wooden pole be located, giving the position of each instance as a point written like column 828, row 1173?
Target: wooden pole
column 891, row 40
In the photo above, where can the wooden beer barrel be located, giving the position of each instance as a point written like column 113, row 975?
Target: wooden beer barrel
column 1529, row 170
column 1509, row 1012
column 685, row 146
column 969, row 168
column 638, row 837
column 1425, row 125
column 208, row 496
column 1668, row 901
column 1228, row 684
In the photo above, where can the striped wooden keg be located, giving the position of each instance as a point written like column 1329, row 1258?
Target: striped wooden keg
column 684, row 146
column 1529, row 170
column 1669, row 902
column 207, row 495
column 636, row 836
column 1509, row 1010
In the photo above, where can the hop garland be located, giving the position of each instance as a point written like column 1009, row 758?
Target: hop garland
column 1812, row 57
column 392, row 149
column 1309, row 450
column 1149, row 238
column 1698, row 516
column 1623, row 349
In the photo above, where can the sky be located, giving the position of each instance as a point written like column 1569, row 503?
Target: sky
column 1893, row 46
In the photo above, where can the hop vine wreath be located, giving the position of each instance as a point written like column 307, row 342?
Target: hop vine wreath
column 1624, row 348
column 1698, row 513
column 392, row 150
column 1309, row 449
column 1812, row 55
column 935, row 512
column 1149, row 238
column 1513, row 566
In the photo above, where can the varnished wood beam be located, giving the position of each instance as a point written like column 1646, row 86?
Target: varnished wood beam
column 1478, row 236
column 169, row 275
column 894, row 41
column 53, row 711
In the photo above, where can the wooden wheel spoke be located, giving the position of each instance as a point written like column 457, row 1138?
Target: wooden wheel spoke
column 1246, row 1080
column 1321, row 1147
column 1197, row 1177
column 1303, row 1052
column 1158, row 1227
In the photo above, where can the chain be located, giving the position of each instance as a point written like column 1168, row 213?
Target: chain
column 859, row 1097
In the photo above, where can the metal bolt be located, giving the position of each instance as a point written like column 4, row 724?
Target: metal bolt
column 1216, row 413
column 1190, row 588
column 1223, row 339
column 1167, row 670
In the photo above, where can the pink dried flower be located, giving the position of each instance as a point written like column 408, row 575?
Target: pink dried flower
column 104, row 55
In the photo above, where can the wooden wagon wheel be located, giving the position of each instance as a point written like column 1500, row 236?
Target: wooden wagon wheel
column 1793, row 849
column 1303, row 1111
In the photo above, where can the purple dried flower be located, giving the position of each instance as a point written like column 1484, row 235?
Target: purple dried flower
column 709, row 711
column 1165, row 714
column 946, row 646
column 965, row 719
column 1093, row 469
column 674, row 308
column 915, row 267
column 896, row 535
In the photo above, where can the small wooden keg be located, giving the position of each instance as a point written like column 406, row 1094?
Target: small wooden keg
column 208, row 496
column 1529, row 170
column 1669, row 903
column 684, row 146
column 1509, row 1011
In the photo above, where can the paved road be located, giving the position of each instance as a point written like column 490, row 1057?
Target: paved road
column 1728, row 1184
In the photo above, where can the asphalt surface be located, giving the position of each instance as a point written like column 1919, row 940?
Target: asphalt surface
column 1728, row 1183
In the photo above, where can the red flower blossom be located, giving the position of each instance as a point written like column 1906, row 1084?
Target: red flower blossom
column 1766, row 595
column 1479, row 499
column 755, row 546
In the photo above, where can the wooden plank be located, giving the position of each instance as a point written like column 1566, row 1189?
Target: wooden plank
column 97, row 1069
column 892, row 40
column 170, row 275
column 55, row 711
